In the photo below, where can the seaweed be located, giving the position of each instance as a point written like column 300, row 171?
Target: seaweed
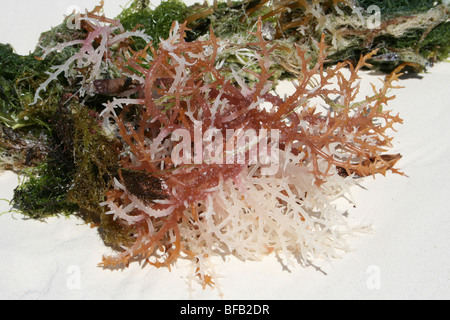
column 96, row 114
column 303, row 22
column 96, row 162
column 194, row 210
column 146, row 187
column 76, row 172
column 348, row 25
column 436, row 45
column 400, row 7
column 27, row 140
column 43, row 193
column 225, row 20
column 30, row 139
column 20, row 77
column 17, row 77
column 20, row 149
column 156, row 23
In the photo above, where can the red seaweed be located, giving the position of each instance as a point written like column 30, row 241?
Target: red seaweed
column 183, row 91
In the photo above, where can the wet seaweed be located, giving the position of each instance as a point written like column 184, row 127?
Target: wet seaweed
column 156, row 23
column 43, row 192
column 91, row 113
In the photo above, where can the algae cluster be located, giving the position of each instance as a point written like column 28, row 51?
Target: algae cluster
column 58, row 144
column 156, row 22
column 400, row 7
column 405, row 31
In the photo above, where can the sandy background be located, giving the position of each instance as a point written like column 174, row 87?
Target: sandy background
column 406, row 256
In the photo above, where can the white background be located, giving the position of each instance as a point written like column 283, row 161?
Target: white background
column 406, row 257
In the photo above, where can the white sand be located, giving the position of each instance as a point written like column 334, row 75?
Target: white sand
column 406, row 257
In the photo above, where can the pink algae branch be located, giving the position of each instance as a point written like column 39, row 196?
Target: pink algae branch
column 181, row 88
column 106, row 41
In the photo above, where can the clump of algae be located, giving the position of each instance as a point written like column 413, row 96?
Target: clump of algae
column 79, row 160
column 75, row 174
column 413, row 32
column 156, row 22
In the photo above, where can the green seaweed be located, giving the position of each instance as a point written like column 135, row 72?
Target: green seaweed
column 17, row 75
column 400, row 7
column 436, row 45
column 20, row 76
column 95, row 162
column 44, row 191
column 156, row 23
column 21, row 149
column 43, row 194
column 75, row 175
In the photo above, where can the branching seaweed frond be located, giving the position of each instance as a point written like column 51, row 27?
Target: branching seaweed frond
column 203, row 208
column 105, row 42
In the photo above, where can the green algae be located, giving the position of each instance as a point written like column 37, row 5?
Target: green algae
column 75, row 175
column 156, row 23
column 95, row 161
column 21, row 75
column 18, row 76
column 400, row 7
column 436, row 45
column 78, row 167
